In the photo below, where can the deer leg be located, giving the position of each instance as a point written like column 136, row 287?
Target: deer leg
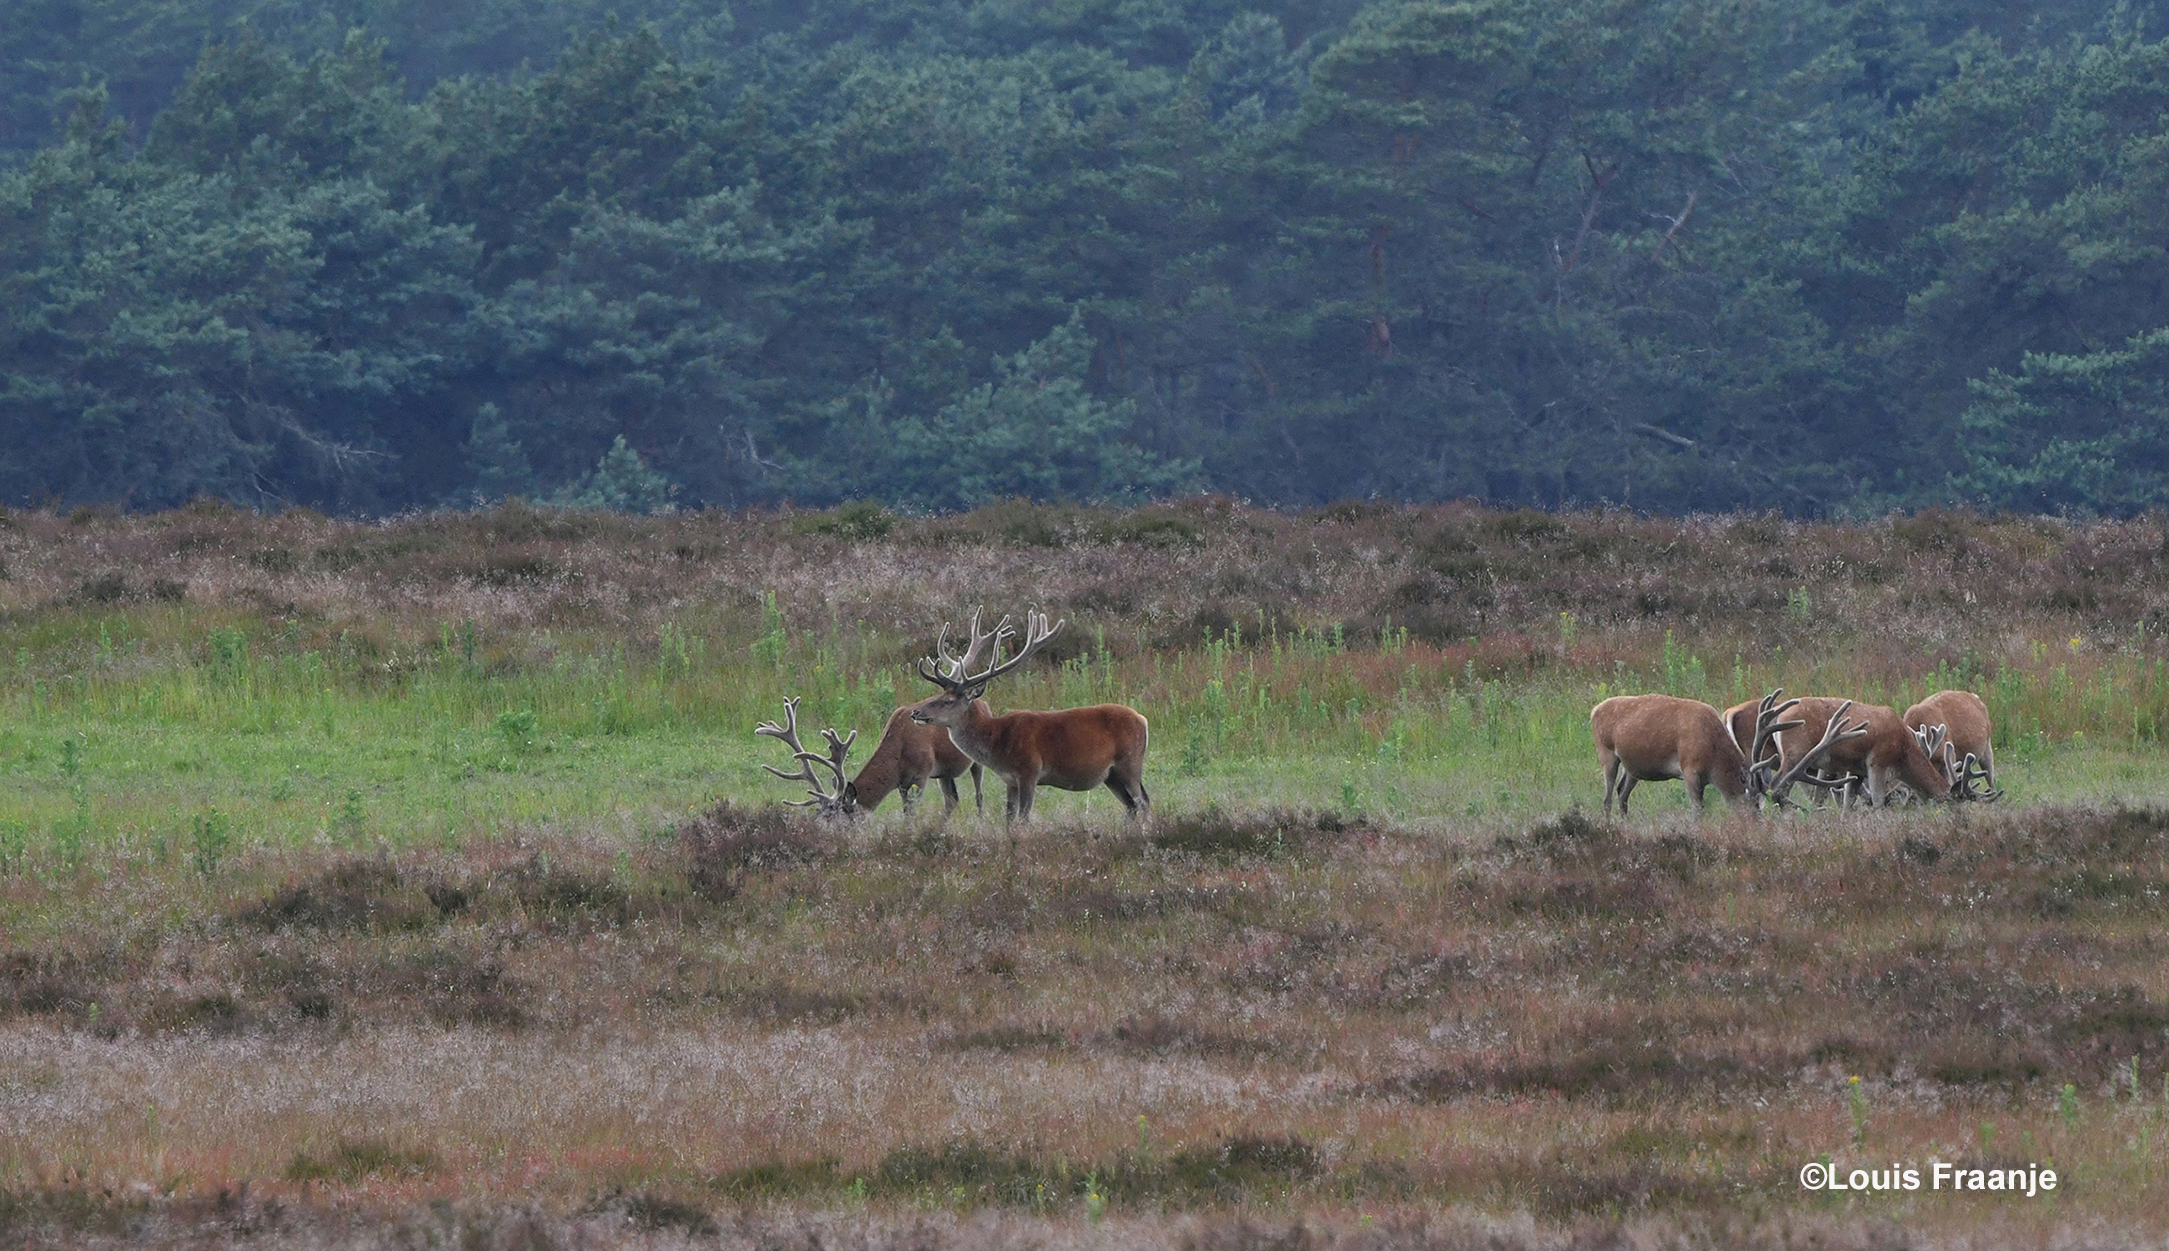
column 1610, row 761
column 949, row 797
column 1123, row 789
column 1027, row 786
column 979, row 799
column 1009, row 801
column 1626, row 788
column 907, row 795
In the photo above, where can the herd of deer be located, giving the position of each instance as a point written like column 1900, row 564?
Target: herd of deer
column 1940, row 748
column 939, row 739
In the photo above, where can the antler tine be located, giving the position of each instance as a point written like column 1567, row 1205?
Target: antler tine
column 839, row 748
column 952, row 664
column 1037, row 632
column 1833, row 734
column 1767, row 725
column 982, row 641
column 1974, row 771
column 1840, row 785
column 951, row 669
column 938, row 678
column 1932, row 738
column 788, row 731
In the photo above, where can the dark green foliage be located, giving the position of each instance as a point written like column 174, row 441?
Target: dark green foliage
column 859, row 519
column 350, row 1161
column 1768, row 255
column 1224, row 1171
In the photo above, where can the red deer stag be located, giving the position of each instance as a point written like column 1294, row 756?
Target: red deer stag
column 1653, row 738
column 838, row 802
column 911, row 754
column 1967, row 749
column 1884, row 756
column 1074, row 749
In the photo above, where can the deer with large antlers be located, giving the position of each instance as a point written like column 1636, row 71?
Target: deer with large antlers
column 1653, row 738
column 839, row 802
column 1887, row 754
column 1075, row 749
column 911, row 754
column 1966, row 748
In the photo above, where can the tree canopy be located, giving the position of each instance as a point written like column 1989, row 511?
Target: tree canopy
column 1672, row 254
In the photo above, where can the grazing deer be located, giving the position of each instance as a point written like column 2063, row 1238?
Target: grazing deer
column 837, row 803
column 1967, row 747
column 1653, row 738
column 1883, row 757
column 1074, row 749
column 910, row 753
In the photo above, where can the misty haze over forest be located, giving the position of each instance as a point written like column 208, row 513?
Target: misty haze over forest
column 374, row 255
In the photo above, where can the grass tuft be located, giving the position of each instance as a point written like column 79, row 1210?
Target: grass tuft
column 352, row 1160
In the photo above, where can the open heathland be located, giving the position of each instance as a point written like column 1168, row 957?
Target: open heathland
column 400, row 882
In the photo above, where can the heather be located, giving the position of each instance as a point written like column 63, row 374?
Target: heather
column 412, row 880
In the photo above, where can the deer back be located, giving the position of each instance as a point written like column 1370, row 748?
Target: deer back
column 1890, row 745
column 1650, row 732
column 1962, row 714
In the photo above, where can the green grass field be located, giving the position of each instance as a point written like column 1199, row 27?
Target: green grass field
column 125, row 750
column 347, row 870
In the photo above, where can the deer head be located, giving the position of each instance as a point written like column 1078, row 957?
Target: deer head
column 959, row 686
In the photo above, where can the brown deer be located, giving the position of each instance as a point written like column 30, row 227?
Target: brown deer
column 1881, row 758
column 1967, row 747
column 1074, row 749
column 1652, row 738
column 910, row 754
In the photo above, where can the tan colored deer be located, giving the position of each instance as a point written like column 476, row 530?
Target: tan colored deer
column 1074, row 749
column 1653, row 738
column 1967, row 748
column 910, row 754
column 1881, row 758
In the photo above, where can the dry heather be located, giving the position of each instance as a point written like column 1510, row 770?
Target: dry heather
column 352, row 896
column 1292, row 1017
column 1933, row 584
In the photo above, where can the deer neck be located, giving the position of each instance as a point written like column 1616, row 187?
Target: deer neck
column 1734, row 772
column 1920, row 771
column 884, row 768
column 973, row 734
